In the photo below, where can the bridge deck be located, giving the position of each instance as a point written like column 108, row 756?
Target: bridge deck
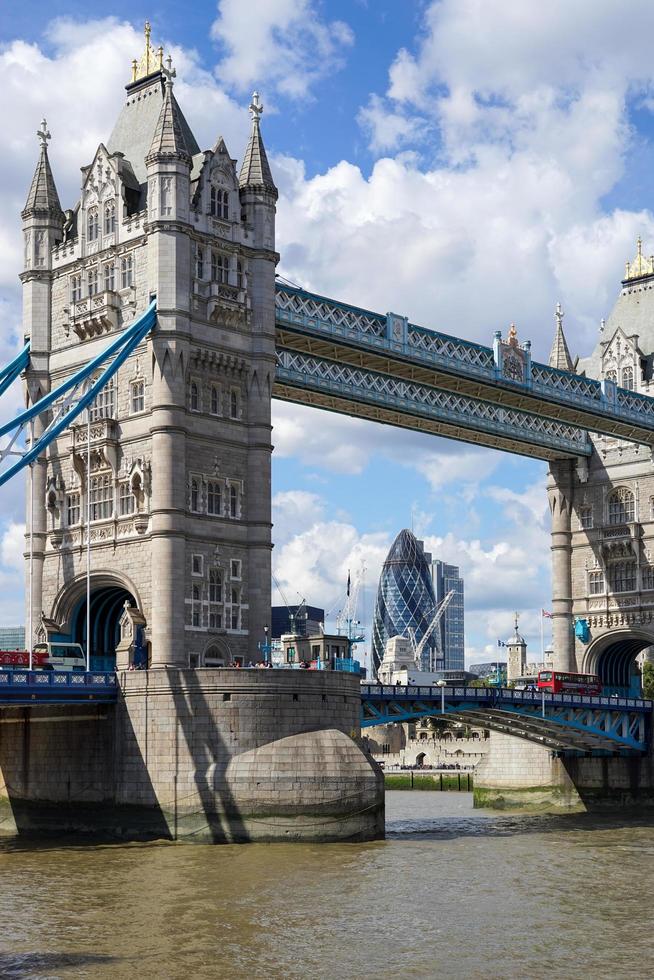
column 22, row 687
column 561, row 722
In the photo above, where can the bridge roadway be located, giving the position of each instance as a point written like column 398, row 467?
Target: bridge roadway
column 380, row 366
column 566, row 722
column 561, row 722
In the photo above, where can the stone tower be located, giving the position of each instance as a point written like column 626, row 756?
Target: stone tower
column 516, row 654
column 179, row 483
column 603, row 512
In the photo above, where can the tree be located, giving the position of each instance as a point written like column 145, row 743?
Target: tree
column 648, row 680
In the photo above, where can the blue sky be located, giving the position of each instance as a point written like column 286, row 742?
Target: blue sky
column 467, row 164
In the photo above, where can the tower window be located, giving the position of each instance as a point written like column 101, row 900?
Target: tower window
column 648, row 577
column 126, row 502
column 199, row 262
column 126, row 271
column 219, row 267
column 611, row 375
column 93, row 281
column 236, row 568
column 233, row 502
column 195, row 495
column 101, row 497
column 92, row 225
column 240, row 278
column 628, row 378
column 219, row 203
column 195, row 396
column 215, row 400
column 75, row 288
column 137, row 397
column 215, row 585
column 586, row 517
column 72, row 509
column 621, row 506
column 595, row 583
column 197, row 608
column 104, row 404
column 109, row 277
column 622, row 576
column 197, row 563
column 233, row 405
column 109, row 218
column 214, row 498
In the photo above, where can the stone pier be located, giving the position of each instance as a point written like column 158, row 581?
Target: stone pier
column 210, row 755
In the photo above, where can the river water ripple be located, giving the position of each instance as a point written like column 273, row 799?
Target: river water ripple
column 452, row 892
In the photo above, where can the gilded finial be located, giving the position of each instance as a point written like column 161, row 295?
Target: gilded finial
column 256, row 108
column 151, row 60
column 43, row 134
column 641, row 265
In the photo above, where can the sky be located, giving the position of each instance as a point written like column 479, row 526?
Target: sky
column 466, row 163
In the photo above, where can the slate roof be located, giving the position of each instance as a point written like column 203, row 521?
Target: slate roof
column 255, row 169
column 43, row 193
column 560, row 355
column 169, row 138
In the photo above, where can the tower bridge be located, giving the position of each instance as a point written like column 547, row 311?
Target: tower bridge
column 149, row 529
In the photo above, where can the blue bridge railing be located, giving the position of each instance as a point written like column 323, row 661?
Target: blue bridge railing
column 54, row 686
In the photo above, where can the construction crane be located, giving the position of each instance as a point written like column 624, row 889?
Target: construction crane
column 419, row 647
column 346, row 621
column 293, row 617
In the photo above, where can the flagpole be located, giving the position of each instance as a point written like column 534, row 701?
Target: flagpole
column 542, row 639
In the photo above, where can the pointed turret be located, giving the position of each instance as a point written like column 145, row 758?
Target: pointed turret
column 43, row 198
column 560, row 355
column 169, row 140
column 255, row 170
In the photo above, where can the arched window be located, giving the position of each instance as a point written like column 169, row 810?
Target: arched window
column 215, row 400
column 104, row 404
column 109, row 277
column 196, row 605
column 195, row 495
column 622, row 576
column 214, row 498
column 219, row 267
column 214, row 658
column 92, row 280
column 628, row 378
column 215, row 585
column 92, row 225
column 621, row 506
column 199, row 262
column 240, row 278
column 233, row 404
column 101, row 497
column 219, row 203
column 611, row 375
column 195, row 397
column 109, row 217
column 595, row 583
column 233, row 502
column 126, row 271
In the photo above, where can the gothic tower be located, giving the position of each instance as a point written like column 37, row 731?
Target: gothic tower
column 603, row 511
column 179, row 483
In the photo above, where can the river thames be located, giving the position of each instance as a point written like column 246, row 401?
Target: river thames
column 452, row 892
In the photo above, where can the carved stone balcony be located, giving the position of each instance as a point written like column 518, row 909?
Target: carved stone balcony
column 621, row 540
column 104, row 443
column 95, row 315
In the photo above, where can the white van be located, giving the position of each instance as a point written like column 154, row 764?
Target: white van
column 61, row 656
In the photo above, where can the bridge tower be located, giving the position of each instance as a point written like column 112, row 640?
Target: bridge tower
column 180, row 442
column 603, row 511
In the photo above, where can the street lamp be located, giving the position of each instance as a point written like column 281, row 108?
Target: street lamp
column 442, row 684
column 266, row 648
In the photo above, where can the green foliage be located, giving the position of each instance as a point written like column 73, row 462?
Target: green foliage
column 648, row 680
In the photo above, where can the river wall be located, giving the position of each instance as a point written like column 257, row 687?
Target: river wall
column 198, row 755
column 519, row 774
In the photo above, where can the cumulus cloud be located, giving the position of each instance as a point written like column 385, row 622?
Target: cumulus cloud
column 12, row 546
column 285, row 44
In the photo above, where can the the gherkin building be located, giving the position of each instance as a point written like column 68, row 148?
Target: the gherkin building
column 405, row 598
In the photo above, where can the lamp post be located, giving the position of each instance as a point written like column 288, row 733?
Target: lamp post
column 442, row 684
column 266, row 648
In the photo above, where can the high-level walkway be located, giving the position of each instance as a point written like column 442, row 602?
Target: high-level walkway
column 380, row 366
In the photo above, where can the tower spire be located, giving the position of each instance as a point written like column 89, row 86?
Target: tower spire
column 560, row 354
column 42, row 197
column 255, row 170
column 168, row 139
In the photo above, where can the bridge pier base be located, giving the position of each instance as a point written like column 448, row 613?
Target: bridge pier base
column 517, row 774
column 209, row 755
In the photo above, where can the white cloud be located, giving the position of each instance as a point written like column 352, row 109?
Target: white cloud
column 284, row 44
column 12, row 546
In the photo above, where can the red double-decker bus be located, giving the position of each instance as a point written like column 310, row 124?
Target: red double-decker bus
column 559, row 682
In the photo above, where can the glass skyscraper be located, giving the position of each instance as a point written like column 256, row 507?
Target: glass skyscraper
column 405, row 598
column 446, row 578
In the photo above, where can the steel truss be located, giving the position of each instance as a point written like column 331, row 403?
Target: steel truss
column 350, row 388
column 71, row 398
column 563, row 723
column 388, row 342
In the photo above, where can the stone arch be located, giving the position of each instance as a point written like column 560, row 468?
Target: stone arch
column 420, row 758
column 612, row 657
column 216, row 654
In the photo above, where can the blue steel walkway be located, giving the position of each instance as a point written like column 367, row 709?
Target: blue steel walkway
column 561, row 722
column 34, row 687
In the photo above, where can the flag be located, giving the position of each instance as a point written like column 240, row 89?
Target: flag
column 545, row 614
column 348, row 581
column 501, row 643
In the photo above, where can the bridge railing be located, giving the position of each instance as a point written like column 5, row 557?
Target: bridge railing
column 491, row 695
column 47, row 680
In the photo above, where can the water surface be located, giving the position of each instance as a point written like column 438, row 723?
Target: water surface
column 452, row 892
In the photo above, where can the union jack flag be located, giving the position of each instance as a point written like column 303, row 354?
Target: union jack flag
column 545, row 614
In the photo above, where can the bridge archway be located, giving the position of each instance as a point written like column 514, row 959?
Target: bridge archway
column 109, row 594
column 613, row 658
column 217, row 654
